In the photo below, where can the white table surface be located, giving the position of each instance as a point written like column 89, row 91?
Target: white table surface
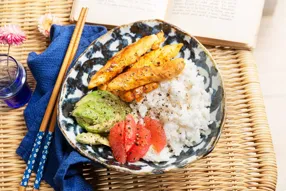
column 270, row 55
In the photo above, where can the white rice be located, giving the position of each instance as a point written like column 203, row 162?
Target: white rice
column 182, row 105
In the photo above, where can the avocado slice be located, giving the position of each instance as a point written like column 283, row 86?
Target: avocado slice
column 92, row 139
column 99, row 110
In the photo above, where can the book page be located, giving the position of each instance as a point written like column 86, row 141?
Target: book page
column 230, row 20
column 118, row 12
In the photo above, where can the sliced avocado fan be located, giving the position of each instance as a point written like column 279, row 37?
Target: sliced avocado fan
column 99, row 110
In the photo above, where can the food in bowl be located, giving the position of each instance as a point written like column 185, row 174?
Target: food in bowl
column 182, row 106
column 148, row 103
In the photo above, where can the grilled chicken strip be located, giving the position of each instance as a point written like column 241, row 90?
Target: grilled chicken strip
column 131, row 95
column 125, row 57
column 136, row 77
column 137, row 93
column 158, row 56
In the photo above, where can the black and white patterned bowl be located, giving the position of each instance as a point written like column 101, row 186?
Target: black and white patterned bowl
column 97, row 54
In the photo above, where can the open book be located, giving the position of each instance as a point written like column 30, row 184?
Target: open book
column 232, row 23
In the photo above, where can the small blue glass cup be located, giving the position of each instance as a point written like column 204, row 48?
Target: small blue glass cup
column 14, row 90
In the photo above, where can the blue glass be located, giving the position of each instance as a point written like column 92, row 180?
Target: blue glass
column 14, row 90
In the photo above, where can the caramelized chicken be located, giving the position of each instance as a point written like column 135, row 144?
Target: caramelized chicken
column 158, row 56
column 136, row 77
column 102, row 87
column 131, row 95
column 126, row 96
column 150, row 87
column 124, row 58
column 137, row 93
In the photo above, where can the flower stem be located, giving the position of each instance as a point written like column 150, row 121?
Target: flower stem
column 8, row 64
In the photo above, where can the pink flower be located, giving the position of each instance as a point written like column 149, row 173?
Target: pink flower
column 11, row 35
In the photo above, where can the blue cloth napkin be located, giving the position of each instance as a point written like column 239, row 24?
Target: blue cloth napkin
column 63, row 166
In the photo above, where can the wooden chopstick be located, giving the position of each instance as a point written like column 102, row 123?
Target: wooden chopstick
column 54, row 115
column 60, row 78
column 70, row 53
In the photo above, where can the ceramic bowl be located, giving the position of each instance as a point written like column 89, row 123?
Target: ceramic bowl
column 101, row 50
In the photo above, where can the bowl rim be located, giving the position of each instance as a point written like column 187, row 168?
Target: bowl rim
column 122, row 168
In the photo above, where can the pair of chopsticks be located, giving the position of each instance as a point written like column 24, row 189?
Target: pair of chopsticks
column 51, row 110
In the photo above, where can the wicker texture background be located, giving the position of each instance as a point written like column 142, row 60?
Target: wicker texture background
column 242, row 160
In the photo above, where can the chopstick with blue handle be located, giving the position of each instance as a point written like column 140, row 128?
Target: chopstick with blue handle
column 67, row 60
column 45, row 152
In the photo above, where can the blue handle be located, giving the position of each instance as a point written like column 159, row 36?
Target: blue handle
column 32, row 158
column 43, row 160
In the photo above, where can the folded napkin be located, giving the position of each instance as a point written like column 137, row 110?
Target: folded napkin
column 64, row 164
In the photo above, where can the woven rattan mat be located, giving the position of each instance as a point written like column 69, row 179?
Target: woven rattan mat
column 242, row 160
